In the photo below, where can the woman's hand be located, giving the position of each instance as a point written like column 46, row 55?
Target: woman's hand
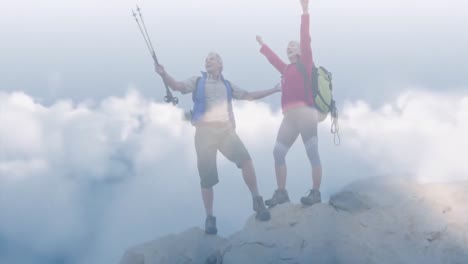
column 260, row 40
column 305, row 6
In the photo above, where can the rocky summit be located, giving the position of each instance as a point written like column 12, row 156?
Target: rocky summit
column 371, row 221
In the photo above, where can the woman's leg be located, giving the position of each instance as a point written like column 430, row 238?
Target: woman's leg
column 287, row 134
column 309, row 133
column 308, row 127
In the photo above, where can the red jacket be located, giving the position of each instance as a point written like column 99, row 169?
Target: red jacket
column 293, row 94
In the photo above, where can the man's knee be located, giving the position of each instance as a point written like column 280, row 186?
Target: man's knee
column 208, row 181
column 311, row 146
column 208, row 172
column 279, row 153
column 241, row 158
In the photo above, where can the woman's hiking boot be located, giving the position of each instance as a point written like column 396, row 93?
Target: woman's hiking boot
column 262, row 212
column 279, row 197
column 210, row 225
column 311, row 198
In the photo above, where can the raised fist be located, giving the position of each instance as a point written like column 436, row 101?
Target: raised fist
column 305, row 5
column 260, row 40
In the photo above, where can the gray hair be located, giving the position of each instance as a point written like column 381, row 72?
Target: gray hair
column 217, row 57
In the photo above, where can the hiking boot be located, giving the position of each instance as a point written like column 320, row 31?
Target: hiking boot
column 279, row 197
column 312, row 198
column 262, row 212
column 210, row 225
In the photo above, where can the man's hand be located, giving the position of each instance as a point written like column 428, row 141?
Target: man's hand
column 173, row 84
column 160, row 70
column 305, row 6
column 260, row 40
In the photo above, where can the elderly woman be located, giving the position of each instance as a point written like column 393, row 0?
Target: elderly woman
column 300, row 117
column 213, row 118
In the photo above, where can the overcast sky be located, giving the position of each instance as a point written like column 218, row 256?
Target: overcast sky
column 92, row 49
column 92, row 161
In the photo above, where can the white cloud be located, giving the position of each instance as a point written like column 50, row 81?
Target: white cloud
column 124, row 170
column 51, row 157
column 421, row 134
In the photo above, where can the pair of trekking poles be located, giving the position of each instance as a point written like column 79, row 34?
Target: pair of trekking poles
column 169, row 98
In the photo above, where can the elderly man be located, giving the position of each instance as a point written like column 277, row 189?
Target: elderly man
column 213, row 118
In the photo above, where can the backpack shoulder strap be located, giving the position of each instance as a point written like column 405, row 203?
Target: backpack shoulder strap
column 195, row 91
column 301, row 67
column 307, row 81
column 197, row 84
column 228, row 84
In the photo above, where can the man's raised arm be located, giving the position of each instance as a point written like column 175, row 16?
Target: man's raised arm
column 171, row 82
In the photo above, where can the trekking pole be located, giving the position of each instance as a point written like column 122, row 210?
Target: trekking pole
column 169, row 98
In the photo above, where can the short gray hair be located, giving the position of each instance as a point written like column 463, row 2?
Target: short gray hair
column 217, row 57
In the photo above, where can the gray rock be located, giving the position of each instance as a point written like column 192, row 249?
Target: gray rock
column 368, row 222
column 131, row 257
column 350, row 201
column 192, row 246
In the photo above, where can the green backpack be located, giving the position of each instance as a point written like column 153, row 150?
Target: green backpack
column 322, row 89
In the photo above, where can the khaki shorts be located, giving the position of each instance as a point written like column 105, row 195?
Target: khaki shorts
column 209, row 138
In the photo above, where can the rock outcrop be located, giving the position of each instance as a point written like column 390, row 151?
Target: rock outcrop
column 368, row 222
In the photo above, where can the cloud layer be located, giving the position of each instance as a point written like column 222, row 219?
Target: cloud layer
column 84, row 181
column 421, row 134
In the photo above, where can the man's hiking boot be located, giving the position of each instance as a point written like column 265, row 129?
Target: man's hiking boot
column 279, row 197
column 312, row 198
column 210, row 225
column 262, row 212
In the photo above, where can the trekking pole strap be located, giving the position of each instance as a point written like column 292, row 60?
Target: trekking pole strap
column 335, row 126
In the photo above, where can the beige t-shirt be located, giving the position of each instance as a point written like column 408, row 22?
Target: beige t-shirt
column 217, row 108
